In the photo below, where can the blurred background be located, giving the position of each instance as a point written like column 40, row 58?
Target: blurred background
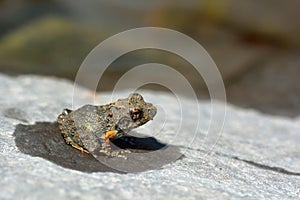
column 255, row 43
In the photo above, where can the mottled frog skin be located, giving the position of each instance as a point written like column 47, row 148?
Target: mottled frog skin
column 90, row 128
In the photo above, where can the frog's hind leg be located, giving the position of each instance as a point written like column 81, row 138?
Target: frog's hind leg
column 76, row 146
column 68, row 131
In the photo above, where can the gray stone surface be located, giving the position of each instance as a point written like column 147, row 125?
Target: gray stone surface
column 256, row 156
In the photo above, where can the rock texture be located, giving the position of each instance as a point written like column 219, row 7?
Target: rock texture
column 256, row 155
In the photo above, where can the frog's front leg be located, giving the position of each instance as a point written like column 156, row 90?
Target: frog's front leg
column 106, row 148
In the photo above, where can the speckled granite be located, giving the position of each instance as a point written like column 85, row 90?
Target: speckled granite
column 256, row 156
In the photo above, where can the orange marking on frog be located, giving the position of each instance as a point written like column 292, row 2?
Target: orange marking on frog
column 110, row 134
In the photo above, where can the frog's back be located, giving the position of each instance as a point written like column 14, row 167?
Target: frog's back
column 86, row 118
column 89, row 126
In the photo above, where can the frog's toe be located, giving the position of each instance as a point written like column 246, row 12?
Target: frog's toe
column 120, row 153
column 117, row 153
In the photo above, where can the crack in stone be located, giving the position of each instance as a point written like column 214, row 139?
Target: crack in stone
column 253, row 163
column 266, row 167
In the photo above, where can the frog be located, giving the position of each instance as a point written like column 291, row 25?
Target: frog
column 91, row 128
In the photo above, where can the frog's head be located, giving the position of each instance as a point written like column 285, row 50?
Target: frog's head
column 138, row 112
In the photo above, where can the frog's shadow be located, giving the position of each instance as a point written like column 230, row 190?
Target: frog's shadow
column 43, row 139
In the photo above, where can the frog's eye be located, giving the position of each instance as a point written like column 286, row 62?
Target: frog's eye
column 136, row 114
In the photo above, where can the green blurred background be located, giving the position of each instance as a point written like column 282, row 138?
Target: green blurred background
column 255, row 43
